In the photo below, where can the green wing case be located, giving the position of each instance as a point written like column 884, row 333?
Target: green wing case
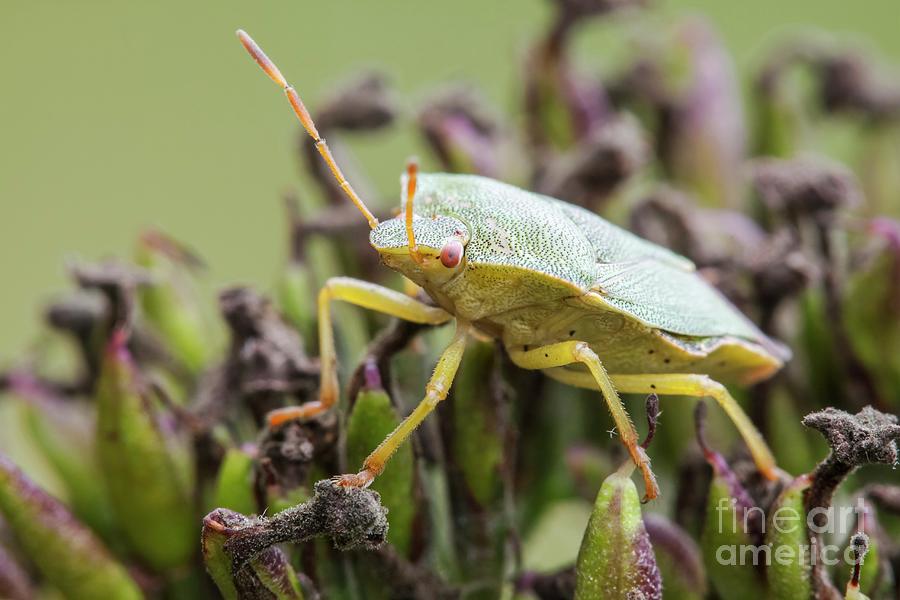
column 509, row 226
column 671, row 299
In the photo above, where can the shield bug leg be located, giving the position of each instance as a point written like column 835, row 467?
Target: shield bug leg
column 703, row 386
column 566, row 353
column 306, row 120
column 436, row 390
column 364, row 294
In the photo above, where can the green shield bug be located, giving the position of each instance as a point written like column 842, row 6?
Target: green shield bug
column 563, row 290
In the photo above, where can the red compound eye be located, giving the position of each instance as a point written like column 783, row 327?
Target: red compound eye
column 451, row 253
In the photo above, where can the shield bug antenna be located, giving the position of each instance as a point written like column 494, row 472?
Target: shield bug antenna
column 306, row 120
column 412, row 171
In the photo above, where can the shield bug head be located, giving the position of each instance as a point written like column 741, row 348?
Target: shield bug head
column 427, row 249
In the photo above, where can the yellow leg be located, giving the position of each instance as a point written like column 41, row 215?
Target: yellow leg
column 703, row 386
column 364, row 294
column 566, row 353
column 700, row 386
column 436, row 390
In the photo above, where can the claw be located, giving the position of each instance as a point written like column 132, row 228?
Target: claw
column 363, row 479
column 642, row 462
column 280, row 416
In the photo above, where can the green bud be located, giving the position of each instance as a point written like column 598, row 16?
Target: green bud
column 234, row 483
column 371, row 420
column 787, row 535
column 15, row 584
column 63, row 431
column 616, row 559
column 147, row 494
column 476, row 454
column 678, row 557
column 169, row 301
column 731, row 517
column 477, row 444
column 873, row 308
column 66, row 552
column 296, row 298
column 723, row 538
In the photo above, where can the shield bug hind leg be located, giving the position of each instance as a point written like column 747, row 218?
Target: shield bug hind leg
column 703, row 386
column 567, row 353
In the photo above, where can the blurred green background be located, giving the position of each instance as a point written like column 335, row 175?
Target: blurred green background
column 119, row 115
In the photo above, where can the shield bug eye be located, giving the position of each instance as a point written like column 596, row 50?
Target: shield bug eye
column 451, row 253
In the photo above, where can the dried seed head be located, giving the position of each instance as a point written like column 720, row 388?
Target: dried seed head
column 849, row 83
column 267, row 355
column 673, row 545
column 289, row 452
column 709, row 237
column 884, row 495
column 363, row 104
column 781, row 269
column 860, row 544
column 602, row 162
column 461, row 132
column 117, row 281
column 351, row 517
column 574, row 10
column 270, row 568
column 804, row 186
column 869, row 436
column 78, row 313
column 548, row 586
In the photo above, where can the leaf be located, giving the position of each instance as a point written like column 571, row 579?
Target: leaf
column 141, row 475
column 66, row 552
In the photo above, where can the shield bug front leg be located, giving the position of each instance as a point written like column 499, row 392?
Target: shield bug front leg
column 367, row 295
column 437, row 389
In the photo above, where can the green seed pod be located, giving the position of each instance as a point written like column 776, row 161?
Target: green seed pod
column 477, row 447
column 678, row 558
column 64, row 433
column 475, row 438
column 371, row 420
column 15, row 584
column 268, row 576
column 873, row 308
column 731, row 518
column 66, row 552
column 234, row 483
column 169, row 301
column 723, row 541
column 148, row 497
column 790, row 572
column 296, row 299
column 616, row 560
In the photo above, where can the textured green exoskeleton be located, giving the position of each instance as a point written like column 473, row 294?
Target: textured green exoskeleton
column 562, row 289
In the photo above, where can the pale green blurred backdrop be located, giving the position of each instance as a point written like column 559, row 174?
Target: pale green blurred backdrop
column 118, row 115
